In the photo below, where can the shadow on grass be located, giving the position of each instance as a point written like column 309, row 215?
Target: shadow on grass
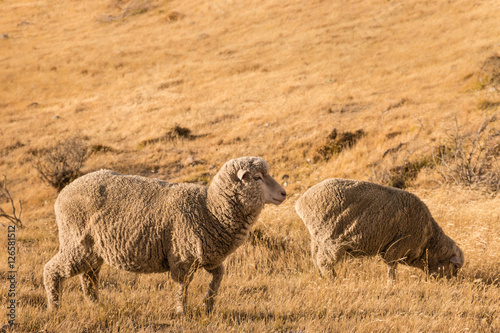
column 34, row 300
column 480, row 277
column 241, row 316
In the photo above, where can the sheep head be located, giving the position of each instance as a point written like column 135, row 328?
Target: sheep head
column 246, row 181
column 450, row 266
column 271, row 191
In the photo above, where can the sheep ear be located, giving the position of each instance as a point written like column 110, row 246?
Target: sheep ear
column 241, row 173
column 455, row 260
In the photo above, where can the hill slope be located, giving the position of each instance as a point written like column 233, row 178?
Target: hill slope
column 292, row 82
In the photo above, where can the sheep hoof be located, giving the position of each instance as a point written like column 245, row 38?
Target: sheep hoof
column 52, row 307
column 208, row 305
column 179, row 310
column 327, row 273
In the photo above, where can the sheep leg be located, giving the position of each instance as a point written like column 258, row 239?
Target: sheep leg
column 183, row 275
column 63, row 266
column 391, row 271
column 90, row 282
column 325, row 266
column 181, row 296
column 217, row 275
column 325, row 255
column 53, row 276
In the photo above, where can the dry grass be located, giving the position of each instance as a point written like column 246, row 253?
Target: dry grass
column 254, row 78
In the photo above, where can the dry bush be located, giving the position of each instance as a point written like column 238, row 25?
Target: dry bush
column 471, row 158
column 336, row 143
column 13, row 218
column 60, row 164
column 465, row 158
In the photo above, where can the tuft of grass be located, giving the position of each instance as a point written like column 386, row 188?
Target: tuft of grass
column 175, row 133
column 99, row 148
column 398, row 104
column 169, row 84
column 132, row 8
column 336, row 143
column 488, row 75
column 401, row 176
column 490, row 71
column 487, row 105
column 5, row 151
column 174, row 16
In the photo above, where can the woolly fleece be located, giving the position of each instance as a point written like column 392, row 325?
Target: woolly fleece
column 146, row 225
column 366, row 219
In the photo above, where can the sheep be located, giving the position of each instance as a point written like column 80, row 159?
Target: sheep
column 146, row 225
column 366, row 219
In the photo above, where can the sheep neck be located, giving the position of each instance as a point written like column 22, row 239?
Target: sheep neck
column 438, row 247
column 232, row 217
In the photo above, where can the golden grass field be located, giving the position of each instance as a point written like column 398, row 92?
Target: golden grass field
column 266, row 78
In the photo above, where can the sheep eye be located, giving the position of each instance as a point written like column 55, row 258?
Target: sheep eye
column 257, row 177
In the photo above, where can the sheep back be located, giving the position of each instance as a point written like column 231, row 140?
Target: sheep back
column 367, row 219
column 134, row 223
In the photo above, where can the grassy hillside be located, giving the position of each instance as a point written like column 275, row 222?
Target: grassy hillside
column 400, row 93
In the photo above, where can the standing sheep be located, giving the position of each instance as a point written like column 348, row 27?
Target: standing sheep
column 366, row 219
column 146, row 225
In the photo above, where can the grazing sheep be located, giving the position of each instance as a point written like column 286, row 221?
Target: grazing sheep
column 146, row 225
column 366, row 219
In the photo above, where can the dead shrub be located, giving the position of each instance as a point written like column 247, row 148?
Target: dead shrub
column 471, row 157
column 60, row 164
column 336, row 143
column 13, row 218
